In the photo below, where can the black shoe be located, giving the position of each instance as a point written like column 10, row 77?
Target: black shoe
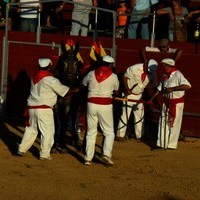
column 157, row 148
column 119, row 139
column 171, row 149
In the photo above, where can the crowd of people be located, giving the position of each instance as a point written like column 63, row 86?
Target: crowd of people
column 175, row 20
column 134, row 21
column 102, row 87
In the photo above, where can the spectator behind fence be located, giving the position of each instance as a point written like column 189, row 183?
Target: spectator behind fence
column 121, row 19
column 11, row 15
column 80, row 17
column 140, row 10
column 177, row 30
column 163, row 48
column 29, row 15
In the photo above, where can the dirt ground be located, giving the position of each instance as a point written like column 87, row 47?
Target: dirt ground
column 139, row 173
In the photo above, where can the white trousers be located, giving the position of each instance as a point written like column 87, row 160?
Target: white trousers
column 168, row 136
column 43, row 120
column 102, row 114
column 138, row 111
column 80, row 20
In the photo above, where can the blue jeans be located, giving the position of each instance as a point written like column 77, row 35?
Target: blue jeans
column 28, row 24
column 136, row 18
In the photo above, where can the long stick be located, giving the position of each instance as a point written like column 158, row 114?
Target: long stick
column 131, row 100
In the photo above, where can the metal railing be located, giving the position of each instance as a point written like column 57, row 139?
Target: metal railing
column 6, row 41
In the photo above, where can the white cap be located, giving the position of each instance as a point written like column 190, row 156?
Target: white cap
column 168, row 61
column 44, row 62
column 152, row 65
column 108, row 59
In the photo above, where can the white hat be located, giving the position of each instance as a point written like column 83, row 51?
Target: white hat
column 152, row 65
column 168, row 61
column 44, row 62
column 108, row 59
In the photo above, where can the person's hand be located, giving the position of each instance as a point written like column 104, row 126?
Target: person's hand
column 149, row 102
column 128, row 92
column 169, row 90
column 72, row 91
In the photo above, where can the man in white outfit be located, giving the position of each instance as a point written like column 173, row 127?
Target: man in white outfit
column 43, row 96
column 172, row 86
column 101, row 84
column 135, row 79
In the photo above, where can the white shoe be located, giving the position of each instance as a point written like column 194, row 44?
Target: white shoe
column 107, row 161
column 47, row 158
column 19, row 153
column 87, row 162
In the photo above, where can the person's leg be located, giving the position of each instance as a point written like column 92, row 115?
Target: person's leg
column 145, row 31
column 24, row 25
column 92, row 122
column 47, row 128
column 76, row 22
column 138, row 110
column 30, row 133
column 175, row 130
column 84, row 24
column 33, row 25
column 123, row 121
column 107, row 125
column 132, row 27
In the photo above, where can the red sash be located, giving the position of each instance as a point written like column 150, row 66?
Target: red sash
column 100, row 100
column 26, row 113
column 171, row 104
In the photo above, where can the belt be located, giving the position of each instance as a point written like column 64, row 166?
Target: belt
column 100, row 100
column 39, row 107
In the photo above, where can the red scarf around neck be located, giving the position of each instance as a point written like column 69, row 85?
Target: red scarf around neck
column 40, row 75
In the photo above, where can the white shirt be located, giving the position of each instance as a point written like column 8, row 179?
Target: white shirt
column 45, row 91
column 31, row 12
column 176, row 79
column 102, row 89
column 144, row 4
column 133, row 73
column 156, row 49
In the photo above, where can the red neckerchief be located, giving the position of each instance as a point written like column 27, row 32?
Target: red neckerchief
column 40, row 75
column 102, row 73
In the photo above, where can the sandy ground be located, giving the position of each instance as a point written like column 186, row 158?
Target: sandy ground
column 138, row 174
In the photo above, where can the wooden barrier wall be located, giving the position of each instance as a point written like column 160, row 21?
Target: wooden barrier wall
column 22, row 63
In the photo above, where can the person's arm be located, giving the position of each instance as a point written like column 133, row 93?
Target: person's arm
column 177, row 55
column 178, row 88
column 127, row 90
column 153, row 97
column 71, row 91
column 162, row 12
column 190, row 15
column 94, row 2
column 132, row 3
